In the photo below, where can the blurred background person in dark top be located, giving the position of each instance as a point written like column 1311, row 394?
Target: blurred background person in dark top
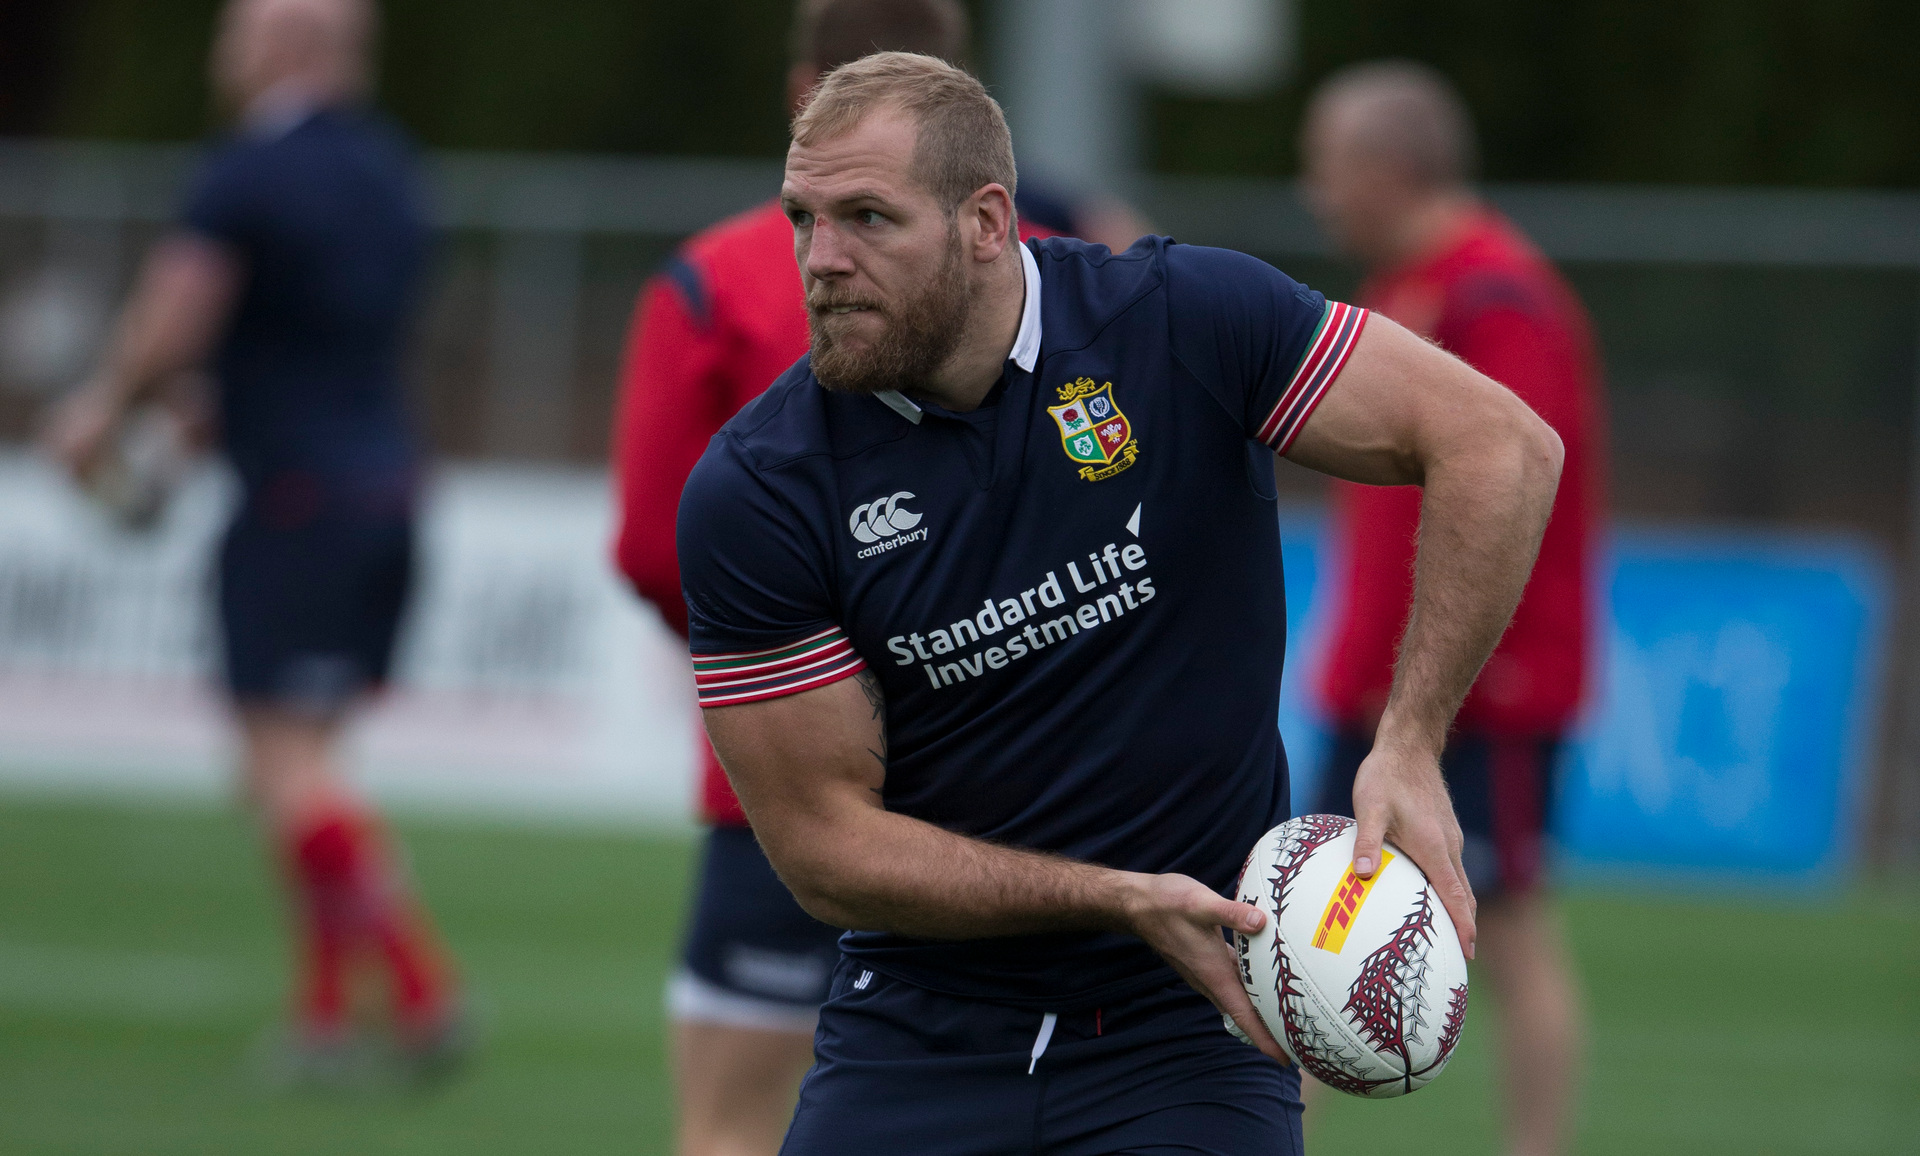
column 1097, row 217
column 294, row 276
column 711, row 331
column 1389, row 150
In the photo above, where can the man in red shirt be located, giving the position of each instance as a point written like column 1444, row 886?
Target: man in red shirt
column 1388, row 151
column 713, row 329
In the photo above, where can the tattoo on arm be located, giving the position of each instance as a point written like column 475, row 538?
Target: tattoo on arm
column 876, row 698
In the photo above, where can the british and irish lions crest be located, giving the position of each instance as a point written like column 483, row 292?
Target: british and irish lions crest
column 1093, row 430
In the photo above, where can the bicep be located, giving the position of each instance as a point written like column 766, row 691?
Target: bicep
column 186, row 295
column 789, row 704
column 1399, row 405
column 803, row 764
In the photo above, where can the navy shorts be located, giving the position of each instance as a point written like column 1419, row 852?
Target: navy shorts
column 900, row 1069
column 1502, row 788
column 309, row 614
column 753, row 957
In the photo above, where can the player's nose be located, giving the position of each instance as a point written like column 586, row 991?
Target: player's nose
column 827, row 255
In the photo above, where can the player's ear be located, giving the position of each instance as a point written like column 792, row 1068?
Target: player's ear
column 990, row 209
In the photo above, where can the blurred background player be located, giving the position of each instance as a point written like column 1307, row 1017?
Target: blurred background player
column 295, row 273
column 1389, row 151
column 712, row 330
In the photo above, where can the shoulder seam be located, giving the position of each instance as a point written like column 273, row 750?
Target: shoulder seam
column 747, row 452
column 1159, row 281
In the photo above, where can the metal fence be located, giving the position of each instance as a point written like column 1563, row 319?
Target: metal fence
column 1761, row 344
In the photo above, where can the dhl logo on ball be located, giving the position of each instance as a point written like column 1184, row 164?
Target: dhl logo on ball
column 1345, row 906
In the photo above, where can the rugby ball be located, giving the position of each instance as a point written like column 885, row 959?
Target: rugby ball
column 141, row 468
column 1362, row 981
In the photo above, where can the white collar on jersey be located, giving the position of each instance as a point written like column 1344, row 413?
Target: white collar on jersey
column 1026, row 343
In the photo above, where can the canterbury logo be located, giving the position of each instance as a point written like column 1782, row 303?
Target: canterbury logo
column 873, row 521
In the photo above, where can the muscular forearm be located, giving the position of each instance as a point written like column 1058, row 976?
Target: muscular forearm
column 809, row 769
column 880, row 871
column 177, row 309
column 1481, row 520
column 869, row 869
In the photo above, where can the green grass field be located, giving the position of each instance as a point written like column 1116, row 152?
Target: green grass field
column 139, row 956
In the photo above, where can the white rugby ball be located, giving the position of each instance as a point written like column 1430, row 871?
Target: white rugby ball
column 1362, row 981
column 143, row 465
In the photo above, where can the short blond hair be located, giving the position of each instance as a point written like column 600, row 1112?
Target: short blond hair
column 963, row 142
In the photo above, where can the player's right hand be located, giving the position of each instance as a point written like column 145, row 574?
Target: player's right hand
column 79, row 429
column 1181, row 917
column 1401, row 796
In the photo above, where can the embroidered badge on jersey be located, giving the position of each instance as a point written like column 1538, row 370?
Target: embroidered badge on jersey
column 1093, row 431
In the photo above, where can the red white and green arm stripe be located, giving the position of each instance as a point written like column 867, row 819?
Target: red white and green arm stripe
column 816, row 660
column 1326, row 356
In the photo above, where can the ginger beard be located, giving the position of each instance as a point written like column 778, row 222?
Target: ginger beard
column 921, row 332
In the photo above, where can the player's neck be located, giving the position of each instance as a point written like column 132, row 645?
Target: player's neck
column 970, row 373
column 288, row 101
column 1429, row 228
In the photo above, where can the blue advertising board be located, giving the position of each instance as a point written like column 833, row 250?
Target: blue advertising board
column 1731, row 729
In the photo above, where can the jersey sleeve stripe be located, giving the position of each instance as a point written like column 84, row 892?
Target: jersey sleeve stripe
column 706, row 661
column 1326, row 356
column 799, row 657
column 725, row 679
column 800, row 665
column 1322, row 334
column 733, row 696
column 1330, row 341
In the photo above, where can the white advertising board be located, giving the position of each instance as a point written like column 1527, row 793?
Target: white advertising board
column 530, row 681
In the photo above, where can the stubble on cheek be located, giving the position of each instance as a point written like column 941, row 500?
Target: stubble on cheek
column 902, row 343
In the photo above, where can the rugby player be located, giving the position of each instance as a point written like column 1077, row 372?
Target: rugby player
column 711, row 331
column 1389, row 153
column 985, row 607
column 294, row 273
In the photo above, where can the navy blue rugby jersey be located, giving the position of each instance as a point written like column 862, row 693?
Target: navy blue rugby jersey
column 1072, row 596
column 327, row 221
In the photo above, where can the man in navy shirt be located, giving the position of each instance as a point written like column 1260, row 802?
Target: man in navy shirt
column 296, row 272
column 986, row 613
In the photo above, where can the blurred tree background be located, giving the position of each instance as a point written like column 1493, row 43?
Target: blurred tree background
column 1782, row 92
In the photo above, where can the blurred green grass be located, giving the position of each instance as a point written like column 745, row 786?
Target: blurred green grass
column 140, row 955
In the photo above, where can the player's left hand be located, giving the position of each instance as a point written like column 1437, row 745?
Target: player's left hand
column 1181, row 917
column 1399, row 795
column 188, row 398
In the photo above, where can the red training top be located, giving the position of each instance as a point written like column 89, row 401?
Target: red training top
column 711, row 331
column 1491, row 298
